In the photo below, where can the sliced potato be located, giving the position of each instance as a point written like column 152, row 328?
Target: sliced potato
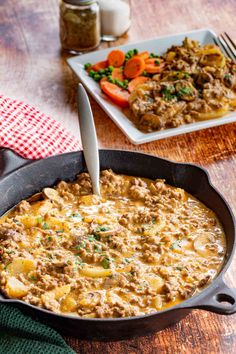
column 28, row 221
column 57, row 224
column 202, row 242
column 95, row 272
column 61, row 291
column 89, row 199
column 155, row 282
column 21, row 265
column 89, row 299
column 157, row 302
column 42, row 207
column 214, row 114
column 15, row 288
column 68, row 304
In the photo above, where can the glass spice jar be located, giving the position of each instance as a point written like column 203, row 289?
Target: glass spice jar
column 79, row 25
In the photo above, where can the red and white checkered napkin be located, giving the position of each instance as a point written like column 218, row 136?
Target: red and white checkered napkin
column 31, row 133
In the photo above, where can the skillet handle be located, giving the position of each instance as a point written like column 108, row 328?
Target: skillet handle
column 9, row 161
column 221, row 300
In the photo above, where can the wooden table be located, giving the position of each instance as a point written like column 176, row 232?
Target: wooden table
column 33, row 69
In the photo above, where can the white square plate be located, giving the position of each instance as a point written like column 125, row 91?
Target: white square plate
column 157, row 45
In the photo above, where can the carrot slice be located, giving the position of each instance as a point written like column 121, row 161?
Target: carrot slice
column 137, row 81
column 117, row 73
column 154, row 65
column 134, row 67
column 100, row 65
column 117, row 94
column 143, row 55
column 116, row 58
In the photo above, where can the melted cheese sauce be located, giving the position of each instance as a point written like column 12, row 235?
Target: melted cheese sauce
column 141, row 247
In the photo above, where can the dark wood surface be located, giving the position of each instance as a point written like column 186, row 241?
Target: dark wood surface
column 33, row 69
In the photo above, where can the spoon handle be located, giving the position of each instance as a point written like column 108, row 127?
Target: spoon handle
column 88, row 137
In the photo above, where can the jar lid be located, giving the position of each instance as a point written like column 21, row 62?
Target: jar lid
column 79, row 2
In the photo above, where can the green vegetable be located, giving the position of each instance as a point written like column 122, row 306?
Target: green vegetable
column 49, row 238
column 152, row 55
column 92, row 73
column 33, row 278
column 157, row 62
column 130, row 54
column 110, row 79
column 97, row 77
column 87, row 66
column 122, row 84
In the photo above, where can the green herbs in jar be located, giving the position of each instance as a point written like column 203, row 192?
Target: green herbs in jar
column 79, row 25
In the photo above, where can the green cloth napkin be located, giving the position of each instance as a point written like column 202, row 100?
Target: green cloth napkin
column 20, row 334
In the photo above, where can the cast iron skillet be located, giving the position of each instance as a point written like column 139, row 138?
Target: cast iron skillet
column 21, row 178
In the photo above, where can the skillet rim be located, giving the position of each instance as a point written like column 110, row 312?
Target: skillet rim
column 190, row 303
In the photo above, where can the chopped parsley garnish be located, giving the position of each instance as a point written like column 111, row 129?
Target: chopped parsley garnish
column 168, row 93
column 80, row 245
column 79, row 262
column 106, row 262
column 227, row 76
column 179, row 268
column 98, row 230
column 45, row 226
column 184, row 91
column 91, row 238
column 175, row 245
column 77, row 216
column 40, row 220
column 157, row 62
column 97, row 248
column 59, row 231
column 126, row 260
column 33, row 278
column 49, row 238
column 102, row 229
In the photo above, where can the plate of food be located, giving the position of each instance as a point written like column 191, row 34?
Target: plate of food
column 162, row 87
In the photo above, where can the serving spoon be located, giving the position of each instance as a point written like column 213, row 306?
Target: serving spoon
column 88, row 137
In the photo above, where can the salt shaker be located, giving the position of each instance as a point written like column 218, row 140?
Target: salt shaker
column 115, row 18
